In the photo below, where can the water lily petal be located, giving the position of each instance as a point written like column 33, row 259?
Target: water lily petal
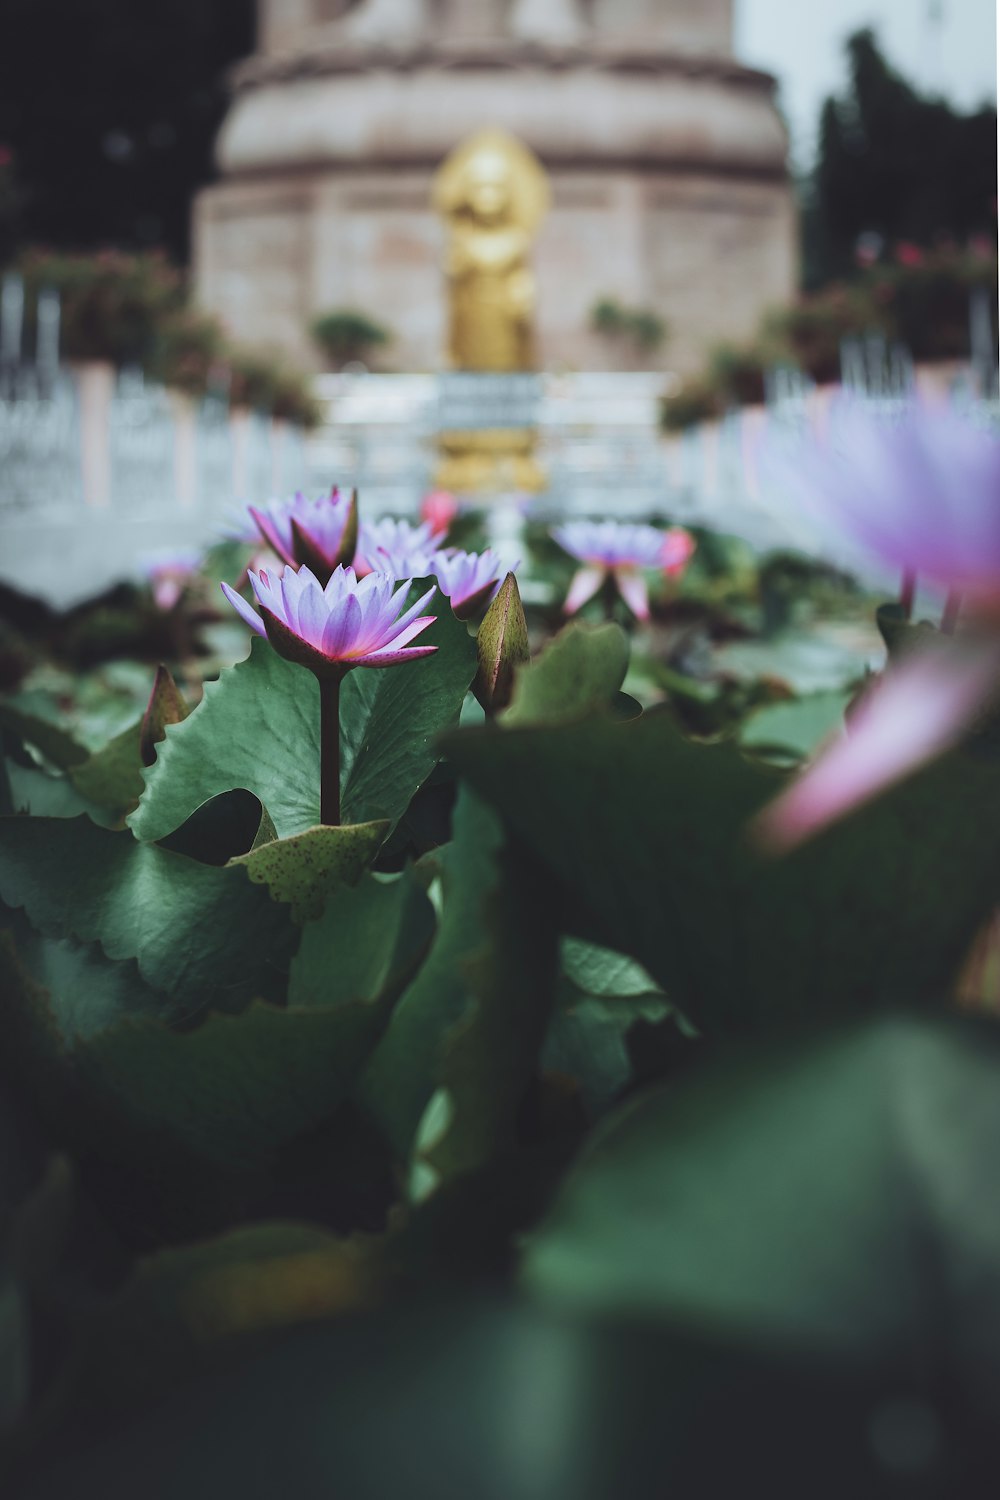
column 278, row 536
column 395, row 626
column 910, row 715
column 389, row 657
column 313, row 615
column 632, row 587
column 584, row 586
column 245, row 611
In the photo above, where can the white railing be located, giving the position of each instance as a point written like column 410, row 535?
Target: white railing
column 99, row 472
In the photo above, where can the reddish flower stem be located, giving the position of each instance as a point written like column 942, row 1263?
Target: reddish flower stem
column 329, row 749
column 907, row 594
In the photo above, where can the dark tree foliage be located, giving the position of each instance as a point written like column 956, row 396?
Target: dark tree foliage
column 110, row 109
column 895, row 162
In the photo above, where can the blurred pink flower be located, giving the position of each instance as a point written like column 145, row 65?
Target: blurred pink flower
column 909, row 716
column 678, row 549
column 438, row 510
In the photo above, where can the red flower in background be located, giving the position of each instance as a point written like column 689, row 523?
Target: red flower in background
column 439, row 509
column 909, row 254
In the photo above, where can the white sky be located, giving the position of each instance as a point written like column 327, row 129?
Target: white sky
column 801, row 42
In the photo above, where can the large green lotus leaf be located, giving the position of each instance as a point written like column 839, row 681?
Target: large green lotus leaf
column 186, row 1308
column 239, row 1085
column 365, row 946
column 579, row 672
column 602, row 971
column 798, row 727
column 204, row 934
column 235, row 1087
column 836, row 1196
column 601, row 996
column 475, row 1396
column 182, row 1127
column 88, row 991
column 58, row 747
column 464, row 1039
column 489, row 1056
column 305, row 868
column 29, row 789
column 258, row 728
column 406, row 1067
column 111, row 778
column 646, row 834
column 588, row 1040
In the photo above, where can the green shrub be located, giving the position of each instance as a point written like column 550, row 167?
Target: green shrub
column 696, row 401
column 919, row 299
column 345, row 335
column 134, row 310
column 645, row 329
column 113, row 306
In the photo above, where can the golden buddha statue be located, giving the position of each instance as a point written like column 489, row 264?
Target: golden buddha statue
column 492, row 193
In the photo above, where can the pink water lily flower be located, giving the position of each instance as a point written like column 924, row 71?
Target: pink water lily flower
column 350, row 622
column 919, row 490
column 398, row 547
column 908, row 717
column 678, row 549
column 610, row 550
column 318, row 534
column 468, row 579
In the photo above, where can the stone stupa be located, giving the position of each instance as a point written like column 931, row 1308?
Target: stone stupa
column 666, row 160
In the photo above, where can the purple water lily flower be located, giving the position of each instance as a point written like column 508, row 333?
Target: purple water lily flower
column 468, row 579
column 919, row 490
column 610, row 550
column 321, row 534
column 349, row 622
column 397, row 547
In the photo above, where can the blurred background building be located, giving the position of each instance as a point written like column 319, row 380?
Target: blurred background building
column 667, row 161
column 221, row 273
